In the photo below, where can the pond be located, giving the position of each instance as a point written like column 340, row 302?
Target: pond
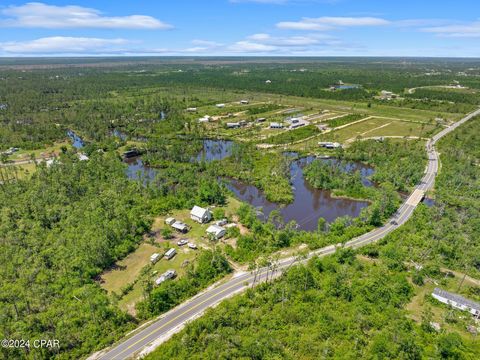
column 77, row 141
column 137, row 170
column 212, row 150
column 215, row 150
column 309, row 203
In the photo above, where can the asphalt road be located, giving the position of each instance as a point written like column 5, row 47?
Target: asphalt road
column 172, row 321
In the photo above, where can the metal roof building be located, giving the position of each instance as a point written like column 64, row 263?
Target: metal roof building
column 457, row 301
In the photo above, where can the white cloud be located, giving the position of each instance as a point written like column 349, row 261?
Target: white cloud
column 63, row 45
column 349, row 21
column 471, row 30
column 328, row 23
column 261, row 1
column 39, row 15
column 206, row 43
column 302, row 25
column 250, row 47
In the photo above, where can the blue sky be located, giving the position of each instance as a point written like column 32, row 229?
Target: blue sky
column 240, row 27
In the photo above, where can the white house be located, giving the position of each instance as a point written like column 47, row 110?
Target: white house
column 216, row 231
column 200, row 214
column 457, row 301
column 220, row 106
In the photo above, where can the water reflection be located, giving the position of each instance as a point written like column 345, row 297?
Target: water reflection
column 309, row 203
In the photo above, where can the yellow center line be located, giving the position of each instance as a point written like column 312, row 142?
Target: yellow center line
column 183, row 313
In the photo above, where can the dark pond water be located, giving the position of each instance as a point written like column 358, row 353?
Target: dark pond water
column 428, row 201
column 212, row 150
column 215, row 150
column 77, row 142
column 309, row 203
column 137, row 170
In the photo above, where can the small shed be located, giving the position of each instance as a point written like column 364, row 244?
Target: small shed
column 180, row 226
column 200, row 215
column 216, row 231
column 170, row 221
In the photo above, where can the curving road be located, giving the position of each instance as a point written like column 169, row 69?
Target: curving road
column 146, row 338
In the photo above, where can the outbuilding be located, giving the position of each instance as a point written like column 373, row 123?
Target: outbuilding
column 216, row 231
column 169, row 220
column 180, row 226
column 200, row 215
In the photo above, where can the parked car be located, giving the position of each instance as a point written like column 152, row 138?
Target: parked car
column 192, row 246
column 169, row 274
column 393, row 222
column 182, row 242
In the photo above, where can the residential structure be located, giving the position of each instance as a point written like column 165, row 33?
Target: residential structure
column 220, row 106
column 457, row 301
column 200, row 214
column 233, row 125
column 244, row 102
column 216, row 231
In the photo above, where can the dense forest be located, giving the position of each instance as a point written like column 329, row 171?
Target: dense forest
column 346, row 307
column 68, row 221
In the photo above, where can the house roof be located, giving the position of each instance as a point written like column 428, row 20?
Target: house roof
column 457, row 298
column 215, row 229
column 179, row 225
column 198, row 211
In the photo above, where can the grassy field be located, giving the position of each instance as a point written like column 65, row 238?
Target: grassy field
column 129, row 270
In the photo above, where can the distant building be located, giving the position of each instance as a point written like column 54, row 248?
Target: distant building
column 457, row 301
column 275, row 125
column 244, row 102
column 220, row 106
column 216, row 231
column 233, row 125
column 83, row 157
column 268, row 81
column 205, row 118
column 330, row 145
column 200, row 214
column 192, row 109
column 180, row 226
column 262, row 119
